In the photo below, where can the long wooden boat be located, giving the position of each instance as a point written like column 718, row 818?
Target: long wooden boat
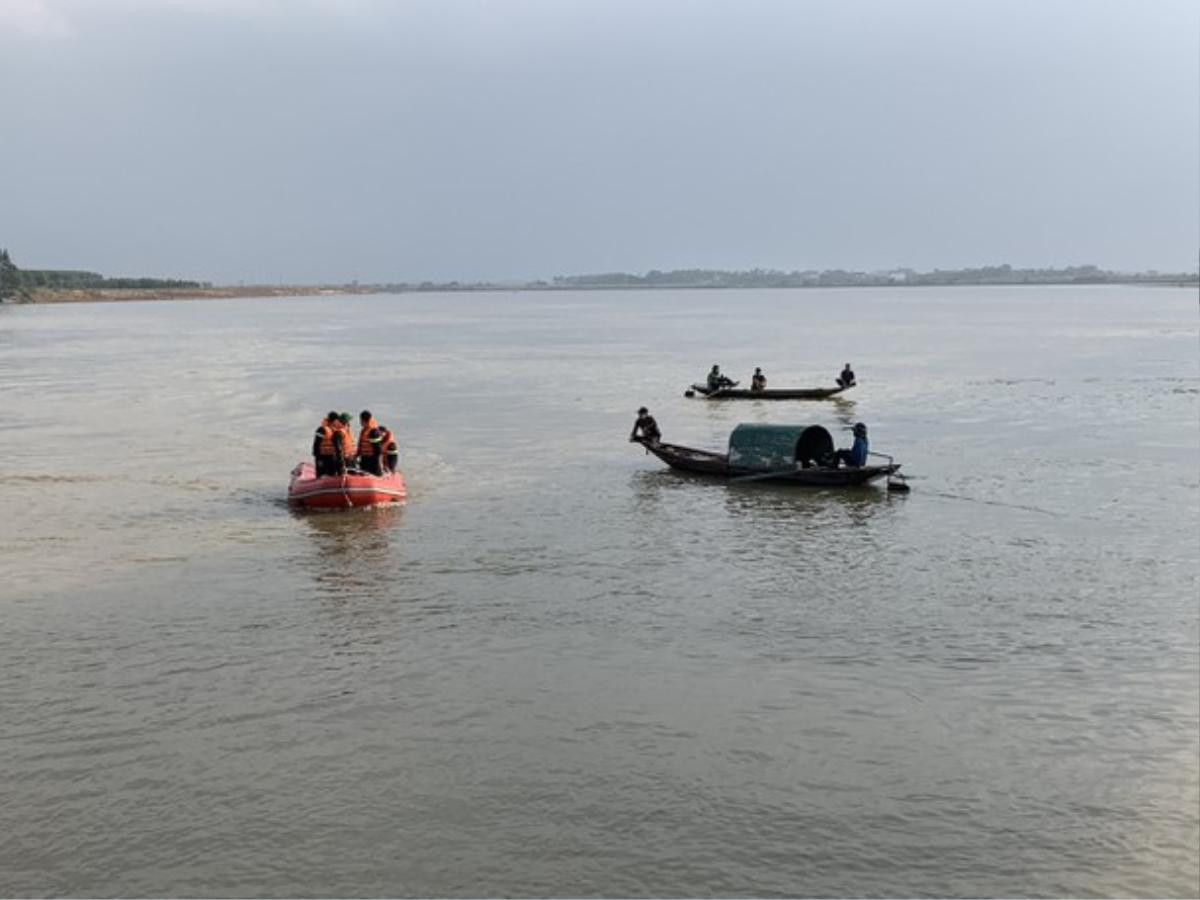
column 729, row 393
column 783, row 453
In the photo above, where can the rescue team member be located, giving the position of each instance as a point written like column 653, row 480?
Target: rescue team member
column 328, row 448
column 387, row 445
column 346, row 435
column 366, row 423
column 380, row 455
column 370, row 451
column 334, row 450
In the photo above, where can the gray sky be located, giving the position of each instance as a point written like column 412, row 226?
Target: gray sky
column 309, row 140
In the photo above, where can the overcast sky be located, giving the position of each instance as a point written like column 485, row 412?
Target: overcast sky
column 310, row 140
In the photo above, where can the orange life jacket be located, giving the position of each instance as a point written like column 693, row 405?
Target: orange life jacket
column 364, row 444
column 325, row 446
column 342, row 434
column 379, row 441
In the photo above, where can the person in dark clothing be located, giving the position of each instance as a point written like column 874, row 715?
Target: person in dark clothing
column 846, row 378
column 379, row 454
column 327, row 447
column 366, row 422
column 647, row 426
column 716, row 380
column 391, row 452
column 759, row 381
column 370, row 451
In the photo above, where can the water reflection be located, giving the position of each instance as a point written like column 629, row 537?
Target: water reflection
column 850, row 505
column 654, row 492
column 843, row 410
column 353, row 555
column 588, row 639
column 778, row 411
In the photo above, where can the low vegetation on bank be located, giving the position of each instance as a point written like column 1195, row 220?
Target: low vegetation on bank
column 34, row 285
column 72, row 285
column 773, row 278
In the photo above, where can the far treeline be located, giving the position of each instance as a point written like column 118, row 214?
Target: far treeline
column 768, row 278
column 775, row 278
column 21, row 284
column 16, row 283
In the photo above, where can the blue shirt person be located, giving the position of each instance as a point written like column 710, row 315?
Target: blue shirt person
column 857, row 454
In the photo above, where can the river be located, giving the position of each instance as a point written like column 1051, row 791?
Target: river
column 562, row 669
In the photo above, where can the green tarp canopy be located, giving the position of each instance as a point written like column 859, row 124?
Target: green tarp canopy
column 767, row 448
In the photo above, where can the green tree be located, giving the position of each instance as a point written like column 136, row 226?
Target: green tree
column 10, row 276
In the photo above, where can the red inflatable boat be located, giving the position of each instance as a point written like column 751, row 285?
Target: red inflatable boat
column 355, row 488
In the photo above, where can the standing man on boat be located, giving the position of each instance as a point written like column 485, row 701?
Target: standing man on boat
column 370, row 452
column 344, row 437
column 327, row 448
column 649, row 428
column 759, row 381
column 846, row 379
column 366, row 423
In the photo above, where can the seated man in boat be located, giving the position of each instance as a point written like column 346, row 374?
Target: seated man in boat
column 846, row 378
column 856, row 456
column 391, row 452
column 331, row 446
column 759, row 381
column 716, row 380
column 648, row 427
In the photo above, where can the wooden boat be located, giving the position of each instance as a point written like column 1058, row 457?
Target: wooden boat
column 786, row 453
column 731, row 393
column 355, row 488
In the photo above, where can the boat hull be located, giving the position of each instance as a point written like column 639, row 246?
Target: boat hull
column 768, row 393
column 705, row 462
column 354, row 489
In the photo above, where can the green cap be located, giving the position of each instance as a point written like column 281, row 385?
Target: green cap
column 345, row 417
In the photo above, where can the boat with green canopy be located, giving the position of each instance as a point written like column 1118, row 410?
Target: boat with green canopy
column 795, row 454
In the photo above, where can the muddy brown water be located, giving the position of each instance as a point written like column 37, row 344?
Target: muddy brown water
column 564, row 670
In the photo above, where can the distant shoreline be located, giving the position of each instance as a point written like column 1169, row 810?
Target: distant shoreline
column 120, row 295
column 236, row 292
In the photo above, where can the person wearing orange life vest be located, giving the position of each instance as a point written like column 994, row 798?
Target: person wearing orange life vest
column 345, row 437
column 380, row 454
column 391, row 452
column 327, row 446
column 366, row 422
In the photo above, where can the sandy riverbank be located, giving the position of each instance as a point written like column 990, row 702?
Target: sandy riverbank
column 117, row 295
column 110, row 295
